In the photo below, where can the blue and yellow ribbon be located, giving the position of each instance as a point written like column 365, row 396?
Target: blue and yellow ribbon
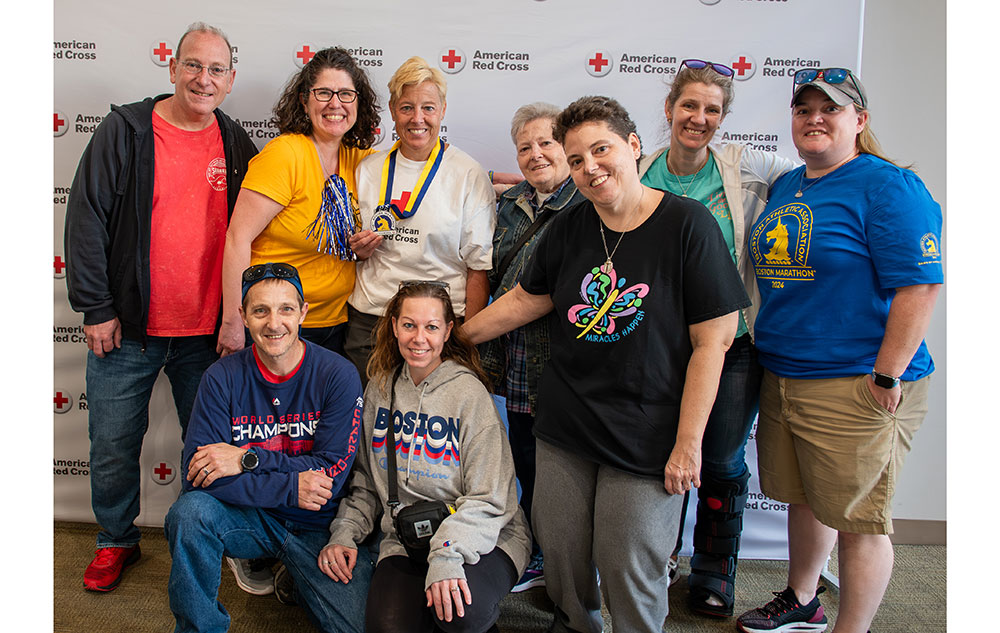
column 423, row 182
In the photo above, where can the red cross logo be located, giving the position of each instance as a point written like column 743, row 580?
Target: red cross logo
column 744, row 67
column 59, row 265
column 62, row 402
column 59, row 124
column 403, row 199
column 598, row 63
column 452, row 59
column 163, row 473
column 304, row 55
column 162, row 51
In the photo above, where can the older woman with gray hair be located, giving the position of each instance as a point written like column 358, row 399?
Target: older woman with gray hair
column 514, row 361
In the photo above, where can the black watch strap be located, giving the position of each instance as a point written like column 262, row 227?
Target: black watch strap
column 884, row 380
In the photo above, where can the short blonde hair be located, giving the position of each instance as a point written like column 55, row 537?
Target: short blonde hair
column 412, row 72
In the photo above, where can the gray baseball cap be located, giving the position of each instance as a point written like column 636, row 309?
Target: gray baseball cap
column 840, row 84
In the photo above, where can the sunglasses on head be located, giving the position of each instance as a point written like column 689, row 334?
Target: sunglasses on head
column 832, row 76
column 698, row 64
column 279, row 270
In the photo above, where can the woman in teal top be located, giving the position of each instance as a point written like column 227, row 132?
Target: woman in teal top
column 732, row 182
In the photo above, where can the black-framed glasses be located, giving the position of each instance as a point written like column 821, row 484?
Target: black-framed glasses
column 698, row 64
column 416, row 283
column 832, row 76
column 277, row 269
column 194, row 68
column 346, row 95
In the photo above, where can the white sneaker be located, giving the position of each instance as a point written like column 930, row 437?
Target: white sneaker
column 252, row 576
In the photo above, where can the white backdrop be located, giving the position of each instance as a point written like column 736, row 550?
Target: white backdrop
column 498, row 56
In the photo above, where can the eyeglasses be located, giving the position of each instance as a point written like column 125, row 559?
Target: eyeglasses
column 415, row 283
column 194, row 68
column 325, row 94
column 832, row 76
column 279, row 270
column 698, row 64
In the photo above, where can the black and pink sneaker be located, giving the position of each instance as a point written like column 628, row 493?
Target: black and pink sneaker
column 785, row 614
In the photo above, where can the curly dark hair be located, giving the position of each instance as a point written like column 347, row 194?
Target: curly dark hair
column 386, row 357
column 596, row 109
column 290, row 116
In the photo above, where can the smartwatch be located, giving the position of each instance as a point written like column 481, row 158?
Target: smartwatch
column 884, row 380
column 249, row 461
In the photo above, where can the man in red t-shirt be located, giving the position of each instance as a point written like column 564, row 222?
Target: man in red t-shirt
column 145, row 228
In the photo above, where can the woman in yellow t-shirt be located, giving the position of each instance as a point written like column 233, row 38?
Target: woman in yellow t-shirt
column 287, row 210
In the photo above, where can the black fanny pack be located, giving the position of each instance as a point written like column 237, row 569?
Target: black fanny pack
column 417, row 523
column 414, row 524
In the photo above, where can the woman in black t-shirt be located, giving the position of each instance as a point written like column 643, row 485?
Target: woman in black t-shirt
column 644, row 299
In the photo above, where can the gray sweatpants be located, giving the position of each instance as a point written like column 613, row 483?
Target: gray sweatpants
column 587, row 514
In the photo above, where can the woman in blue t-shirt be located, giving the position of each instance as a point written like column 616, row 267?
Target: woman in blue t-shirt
column 848, row 262
column 732, row 182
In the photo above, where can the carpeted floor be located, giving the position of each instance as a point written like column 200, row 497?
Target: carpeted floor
column 915, row 600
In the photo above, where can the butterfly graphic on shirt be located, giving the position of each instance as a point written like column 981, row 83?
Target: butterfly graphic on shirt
column 605, row 299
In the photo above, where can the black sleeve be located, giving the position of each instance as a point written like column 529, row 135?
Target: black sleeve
column 712, row 285
column 89, row 212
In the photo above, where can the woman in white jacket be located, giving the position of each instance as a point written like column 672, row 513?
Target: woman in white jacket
column 450, row 446
column 732, row 181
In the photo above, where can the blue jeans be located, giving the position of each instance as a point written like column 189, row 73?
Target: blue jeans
column 200, row 529
column 118, row 390
column 723, row 447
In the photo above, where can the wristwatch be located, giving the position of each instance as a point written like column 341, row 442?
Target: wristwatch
column 884, row 380
column 249, row 460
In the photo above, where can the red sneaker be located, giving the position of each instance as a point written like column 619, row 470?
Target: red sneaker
column 105, row 571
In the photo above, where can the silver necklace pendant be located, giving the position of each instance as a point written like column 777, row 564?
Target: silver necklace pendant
column 798, row 194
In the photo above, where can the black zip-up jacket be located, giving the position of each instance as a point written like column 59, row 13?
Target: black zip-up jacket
column 108, row 214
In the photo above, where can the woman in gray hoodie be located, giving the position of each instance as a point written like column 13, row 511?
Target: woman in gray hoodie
column 450, row 446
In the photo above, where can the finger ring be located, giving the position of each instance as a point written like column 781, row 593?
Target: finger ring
column 328, row 563
column 454, row 589
column 206, row 471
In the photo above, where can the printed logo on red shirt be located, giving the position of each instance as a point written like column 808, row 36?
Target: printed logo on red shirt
column 216, row 174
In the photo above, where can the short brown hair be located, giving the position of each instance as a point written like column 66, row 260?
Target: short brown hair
column 594, row 109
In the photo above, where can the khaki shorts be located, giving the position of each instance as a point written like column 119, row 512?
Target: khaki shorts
column 828, row 444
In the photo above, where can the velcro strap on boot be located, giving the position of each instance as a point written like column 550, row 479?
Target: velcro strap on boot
column 728, row 505
column 709, row 563
column 720, row 545
column 711, row 525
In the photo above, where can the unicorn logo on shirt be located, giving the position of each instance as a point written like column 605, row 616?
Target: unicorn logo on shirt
column 779, row 245
column 606, row 299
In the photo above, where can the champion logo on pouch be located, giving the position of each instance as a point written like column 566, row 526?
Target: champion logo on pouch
column 276, row 402
column 216, row 174
column 59, row 123
column 647, row 64
column 160, row 51
column 302, row 54
column 163, row 473
column 451, row 59
column 744, row 66
column 62, row 401
column 786, row 67
column 75, row 50
column 598, row 63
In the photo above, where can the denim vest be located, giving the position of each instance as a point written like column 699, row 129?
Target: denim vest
column 513, row 220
